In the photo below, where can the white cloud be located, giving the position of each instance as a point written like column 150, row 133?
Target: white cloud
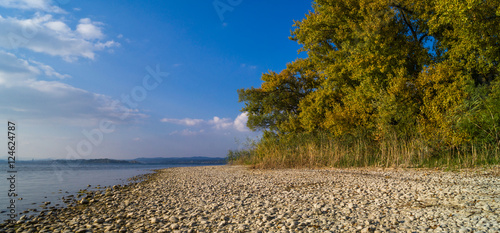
column 185, row 121
column 23, row 94
column 62, row 104
column 14, row 71
column 217, row 123
column 89, row 29
column 38, row 5
column 240, row 123
column 49, row 71
column 221, row 123
column 43, row 34
column 54, row 88
column 107, row 44
column 58, row 26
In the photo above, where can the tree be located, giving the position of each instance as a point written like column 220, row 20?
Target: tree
column 370, row 54
column 275, row 105
column 386, row 68
column 458, row 87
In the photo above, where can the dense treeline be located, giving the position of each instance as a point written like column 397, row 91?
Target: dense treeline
column 383, row 80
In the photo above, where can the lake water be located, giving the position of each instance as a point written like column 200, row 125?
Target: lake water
column 38, row 182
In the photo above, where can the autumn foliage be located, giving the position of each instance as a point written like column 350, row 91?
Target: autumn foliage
column 421, row 73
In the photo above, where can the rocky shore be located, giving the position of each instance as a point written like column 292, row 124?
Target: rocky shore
column 238, row 199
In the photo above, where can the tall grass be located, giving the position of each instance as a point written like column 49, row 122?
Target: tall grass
column 321, row 150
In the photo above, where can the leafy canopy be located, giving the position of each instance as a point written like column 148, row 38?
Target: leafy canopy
column 384, row 68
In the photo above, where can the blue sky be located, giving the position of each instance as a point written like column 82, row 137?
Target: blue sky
column 128, row 79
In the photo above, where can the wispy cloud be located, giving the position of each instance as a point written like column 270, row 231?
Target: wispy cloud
column 44, row 34
column 216, row 123
column 252, row 67
column 16, row 71
column 49, row 71
column 221, row 123
column 22, row 80
column 185, row 121
column 37, row 87
column 36, row 5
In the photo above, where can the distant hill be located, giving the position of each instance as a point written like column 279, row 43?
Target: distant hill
column 180, row 160
column 81, row 161
column 157, row 160
column 94, row 161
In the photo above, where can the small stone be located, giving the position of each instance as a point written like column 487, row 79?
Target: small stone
column 84, row 201
column 100, row 220
column 241, row 227
column 174, row 226
column 487, row 207
column 367, row 230
column 174, row 219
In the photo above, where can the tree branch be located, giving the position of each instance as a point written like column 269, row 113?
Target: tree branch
column 422, row 38
column 409, row 25
column 401, row 8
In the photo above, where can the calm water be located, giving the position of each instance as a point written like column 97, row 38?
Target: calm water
column 40, row 182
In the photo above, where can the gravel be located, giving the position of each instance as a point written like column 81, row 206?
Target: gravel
column 238, row 199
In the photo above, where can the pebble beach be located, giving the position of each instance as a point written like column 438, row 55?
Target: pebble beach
column 239, row 199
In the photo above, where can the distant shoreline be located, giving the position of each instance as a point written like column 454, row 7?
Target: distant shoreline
column 149, row 161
